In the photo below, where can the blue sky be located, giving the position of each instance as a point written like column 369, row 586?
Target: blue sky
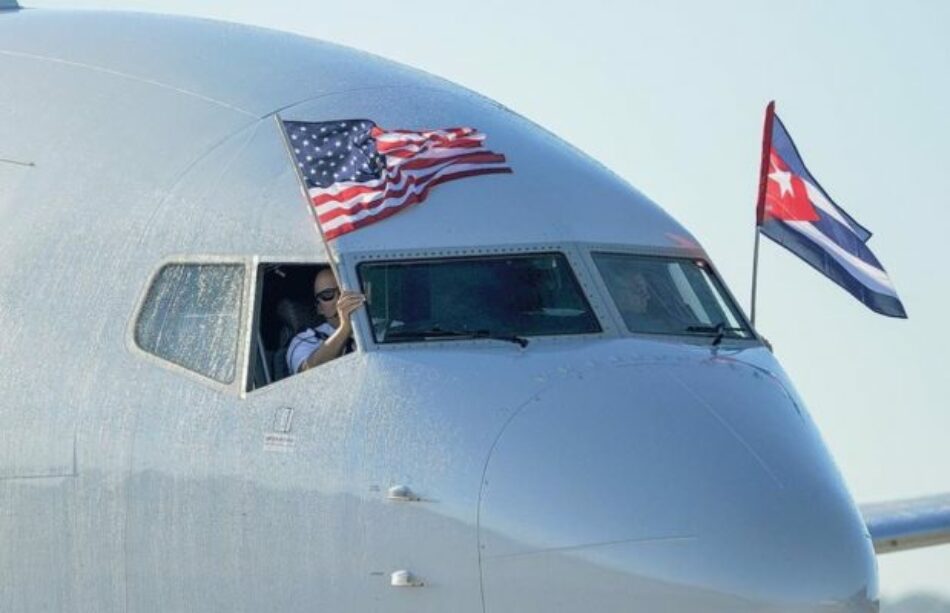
column 671, row 97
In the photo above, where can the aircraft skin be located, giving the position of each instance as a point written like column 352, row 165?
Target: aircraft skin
column 602, row 472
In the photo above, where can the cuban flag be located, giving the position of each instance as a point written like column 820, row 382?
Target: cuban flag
column 797, row 213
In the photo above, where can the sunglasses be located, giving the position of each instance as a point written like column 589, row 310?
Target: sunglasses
column 331, row 293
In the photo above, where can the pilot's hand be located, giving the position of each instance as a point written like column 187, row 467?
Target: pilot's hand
column 348, row 302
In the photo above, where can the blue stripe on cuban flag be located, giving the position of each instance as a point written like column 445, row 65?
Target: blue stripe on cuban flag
column 796, row 212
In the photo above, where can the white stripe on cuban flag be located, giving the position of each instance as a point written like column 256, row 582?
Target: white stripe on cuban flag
column 817, row 198
column 874, row 278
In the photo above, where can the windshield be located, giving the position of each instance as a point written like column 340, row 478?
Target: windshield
column 659, row 295
column 502, row 297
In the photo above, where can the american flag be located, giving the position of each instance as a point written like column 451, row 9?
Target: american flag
column 357, row 173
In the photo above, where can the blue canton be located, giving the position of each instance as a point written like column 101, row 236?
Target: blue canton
column 335, row 151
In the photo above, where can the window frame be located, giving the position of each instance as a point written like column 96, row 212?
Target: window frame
column 235, row 386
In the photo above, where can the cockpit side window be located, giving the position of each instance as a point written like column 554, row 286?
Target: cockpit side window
column 501, row 297
column 288, row 322
column 191, row 317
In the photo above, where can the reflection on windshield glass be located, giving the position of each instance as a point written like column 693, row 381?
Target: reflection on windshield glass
column 657, row 295
column 500, row 297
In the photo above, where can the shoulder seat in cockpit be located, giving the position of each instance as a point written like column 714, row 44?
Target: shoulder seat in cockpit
column 293, row 317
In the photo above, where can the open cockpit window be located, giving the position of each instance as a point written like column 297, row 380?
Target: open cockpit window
column 191, row 317
column 505, row 297
column 288, row 324
column 665, row 295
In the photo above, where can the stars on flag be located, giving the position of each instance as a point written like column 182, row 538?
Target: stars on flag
column 357, row 173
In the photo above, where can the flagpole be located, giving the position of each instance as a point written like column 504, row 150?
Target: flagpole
column 760, row 204
column 755, row 272
column 303, row 191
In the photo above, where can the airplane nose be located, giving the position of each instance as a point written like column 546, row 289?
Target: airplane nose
column 699, row 486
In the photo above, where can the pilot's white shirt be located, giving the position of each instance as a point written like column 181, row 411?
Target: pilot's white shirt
column 304, row 344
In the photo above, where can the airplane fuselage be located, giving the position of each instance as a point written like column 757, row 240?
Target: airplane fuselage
column 606, row 469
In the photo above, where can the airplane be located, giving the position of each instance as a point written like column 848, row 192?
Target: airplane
column 156, row 254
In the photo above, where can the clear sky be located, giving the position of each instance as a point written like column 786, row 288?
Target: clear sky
column 671, row 96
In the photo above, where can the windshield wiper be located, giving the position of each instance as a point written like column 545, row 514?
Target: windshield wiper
column 718, row 331
column 437, row 333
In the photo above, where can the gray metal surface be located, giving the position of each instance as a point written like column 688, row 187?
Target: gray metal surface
column 608, row 472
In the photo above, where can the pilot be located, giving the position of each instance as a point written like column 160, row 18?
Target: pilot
column 634, row 300
column 331, row 339
column 632, row 294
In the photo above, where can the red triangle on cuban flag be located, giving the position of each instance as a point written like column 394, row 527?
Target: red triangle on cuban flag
column 786, row 197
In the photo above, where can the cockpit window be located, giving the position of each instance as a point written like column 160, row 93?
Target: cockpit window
column 502, row 297
column 191, row 317
column 660, row 295
column 289, row 322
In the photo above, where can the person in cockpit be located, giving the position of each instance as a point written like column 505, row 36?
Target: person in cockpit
column 331, row 339
column 633, row 294
column 634, row 299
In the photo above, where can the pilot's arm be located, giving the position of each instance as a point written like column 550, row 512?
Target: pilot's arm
column 336, row 343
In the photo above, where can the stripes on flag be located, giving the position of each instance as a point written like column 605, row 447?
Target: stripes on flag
column 796, row 212
column 357, row 173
